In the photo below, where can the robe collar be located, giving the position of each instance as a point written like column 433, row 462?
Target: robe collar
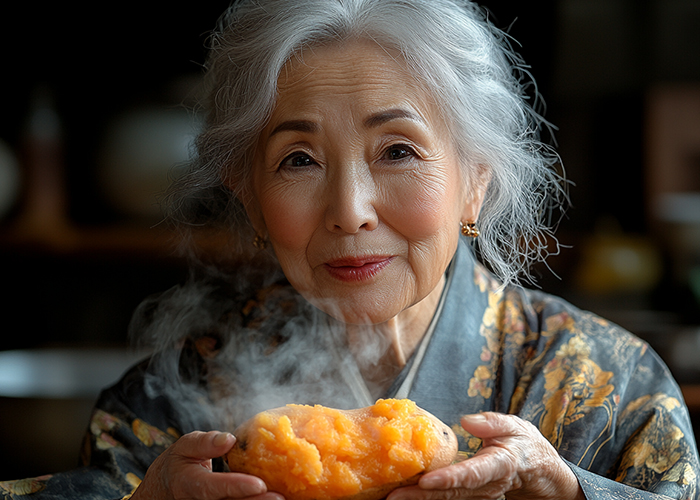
column 438, row 373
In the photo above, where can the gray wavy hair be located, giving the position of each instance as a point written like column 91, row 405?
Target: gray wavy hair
column 466, row 63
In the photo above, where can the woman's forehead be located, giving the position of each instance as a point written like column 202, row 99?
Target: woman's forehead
column 360, row 73
column 351, row 61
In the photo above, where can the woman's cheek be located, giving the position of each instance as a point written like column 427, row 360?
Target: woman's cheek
column 286, row 217
column 420, row 209
column 286, row 221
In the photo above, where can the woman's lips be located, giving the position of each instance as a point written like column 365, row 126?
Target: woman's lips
column 350, row 269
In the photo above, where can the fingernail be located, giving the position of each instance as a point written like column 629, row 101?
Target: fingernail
column 251, row 489
column 477, row 418
column 432, row 482
column 221, row 438
column 395, row 495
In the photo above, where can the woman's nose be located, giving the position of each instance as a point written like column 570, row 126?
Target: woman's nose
column 351, row 199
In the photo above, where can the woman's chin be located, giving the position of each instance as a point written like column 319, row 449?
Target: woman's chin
column 352, row 313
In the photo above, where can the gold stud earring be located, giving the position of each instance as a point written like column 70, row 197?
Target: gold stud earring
column 259, row 242
column 469, row 229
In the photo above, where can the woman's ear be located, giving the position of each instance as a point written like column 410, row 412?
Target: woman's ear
column 479, row 178
column 246, row 196
column 252, row 208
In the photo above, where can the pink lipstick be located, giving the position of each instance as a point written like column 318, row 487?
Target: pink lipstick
column 351, row 269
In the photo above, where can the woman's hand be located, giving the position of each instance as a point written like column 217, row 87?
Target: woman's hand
column 183, row 471
column 515, row 461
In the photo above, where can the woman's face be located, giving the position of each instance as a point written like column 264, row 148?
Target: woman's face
column 357, row 185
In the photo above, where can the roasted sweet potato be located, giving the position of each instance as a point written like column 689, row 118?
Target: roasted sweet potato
column 319, row 453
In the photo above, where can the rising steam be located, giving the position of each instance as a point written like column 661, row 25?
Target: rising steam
column 226, row 349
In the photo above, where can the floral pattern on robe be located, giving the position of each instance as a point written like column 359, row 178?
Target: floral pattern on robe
column 600, row 395
column 561, row 361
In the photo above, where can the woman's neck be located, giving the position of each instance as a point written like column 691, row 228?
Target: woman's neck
column 381, row 351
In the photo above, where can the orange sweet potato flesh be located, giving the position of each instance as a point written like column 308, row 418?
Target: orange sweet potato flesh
column 319, row 453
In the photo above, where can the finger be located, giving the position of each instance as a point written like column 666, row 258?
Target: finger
column 489, row 491
column 409, row 493
column 490, row 465
column 208, row 485
column 491, row 424
column 201, row 482
column 204, row 445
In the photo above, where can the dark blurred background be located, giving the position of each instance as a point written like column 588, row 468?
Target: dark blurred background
column 93, row 115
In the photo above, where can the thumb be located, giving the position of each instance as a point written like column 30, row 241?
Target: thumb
column 491, row 424
column 204, row 445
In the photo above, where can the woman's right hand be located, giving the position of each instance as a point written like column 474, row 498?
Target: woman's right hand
column 184, row 471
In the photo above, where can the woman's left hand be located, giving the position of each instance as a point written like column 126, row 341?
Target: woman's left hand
column 515, row 460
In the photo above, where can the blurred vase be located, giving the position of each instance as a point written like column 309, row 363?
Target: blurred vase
column 139, row 156
column 10, row 183
column 680, row 213
column 616, row 262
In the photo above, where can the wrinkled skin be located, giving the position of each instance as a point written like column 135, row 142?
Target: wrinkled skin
column 358, row 187
column 184, row 471
column 356, row 170
column 515, row 461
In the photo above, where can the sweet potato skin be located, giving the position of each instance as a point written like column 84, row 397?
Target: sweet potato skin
column 442, row 443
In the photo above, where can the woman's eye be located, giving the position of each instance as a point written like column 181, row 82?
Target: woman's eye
column 398, row 152
column 296, row 160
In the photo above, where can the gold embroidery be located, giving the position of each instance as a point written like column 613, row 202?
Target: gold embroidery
column 101, row 425
column 133, row 480
column 480, row 383
column 503, row 326
column 576, row 386
column 573, row 385
column 24, row 486
column 658, row 447
column 150, row 435
column 472, row 443
column 102, row 421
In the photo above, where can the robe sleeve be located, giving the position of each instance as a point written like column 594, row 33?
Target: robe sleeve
column 655, row 451
column 601, row 396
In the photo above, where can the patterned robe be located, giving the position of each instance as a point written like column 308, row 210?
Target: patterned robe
column 601, row 396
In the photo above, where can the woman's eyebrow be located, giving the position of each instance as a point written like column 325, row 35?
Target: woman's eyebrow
column 295, row 126
column 371, row 121
column 382, row 117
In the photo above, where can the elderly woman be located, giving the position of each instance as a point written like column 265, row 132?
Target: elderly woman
column 360, row 154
